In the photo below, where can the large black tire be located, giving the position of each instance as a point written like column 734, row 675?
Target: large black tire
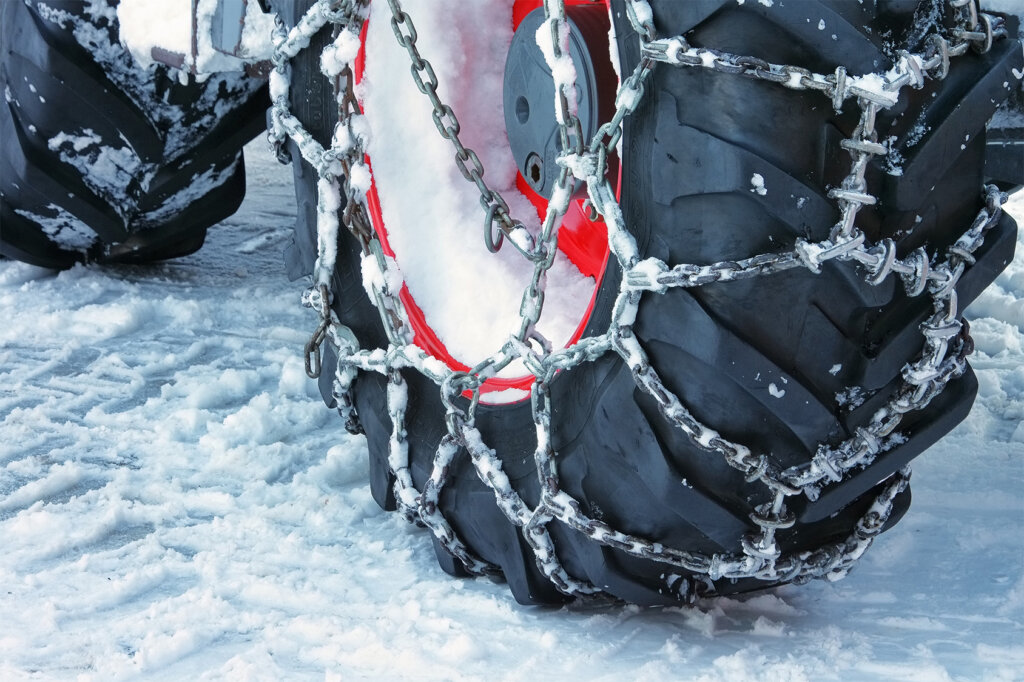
column 689, row 153
column 101, row 159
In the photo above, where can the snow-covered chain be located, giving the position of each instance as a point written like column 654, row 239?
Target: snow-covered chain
column 946, row 342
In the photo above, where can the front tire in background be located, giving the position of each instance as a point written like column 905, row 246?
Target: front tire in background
column 103, row 160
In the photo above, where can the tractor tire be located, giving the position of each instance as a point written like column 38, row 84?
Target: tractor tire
column 779, row 363
column 103, row 160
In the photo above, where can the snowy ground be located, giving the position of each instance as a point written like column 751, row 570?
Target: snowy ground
column 176, row 502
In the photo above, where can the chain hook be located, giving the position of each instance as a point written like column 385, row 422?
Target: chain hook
column 491, row 241
column 314, row 364
column 313, row 359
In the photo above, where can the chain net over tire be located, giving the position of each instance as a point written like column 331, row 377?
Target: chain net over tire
column 342, row 187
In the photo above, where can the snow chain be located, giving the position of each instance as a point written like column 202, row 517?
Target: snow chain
column 341, row 168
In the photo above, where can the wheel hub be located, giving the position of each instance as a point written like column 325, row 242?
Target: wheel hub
column 529, row 91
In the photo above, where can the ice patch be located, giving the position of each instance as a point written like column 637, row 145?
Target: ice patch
column 852, row 397
column 106, row 170
column 63, row 228
column 199, row 186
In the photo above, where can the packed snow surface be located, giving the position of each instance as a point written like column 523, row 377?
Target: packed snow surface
column 176, row 503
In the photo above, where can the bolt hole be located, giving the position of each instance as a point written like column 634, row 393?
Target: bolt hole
column 535, row 171
column 522, row 110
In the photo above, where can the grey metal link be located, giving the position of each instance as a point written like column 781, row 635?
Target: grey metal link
column 496, row 209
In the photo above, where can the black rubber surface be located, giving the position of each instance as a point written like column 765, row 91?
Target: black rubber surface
column 102, row 160
column 689, row 154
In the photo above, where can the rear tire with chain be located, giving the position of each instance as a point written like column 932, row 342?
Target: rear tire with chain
column 106, row 161
column 778, row 363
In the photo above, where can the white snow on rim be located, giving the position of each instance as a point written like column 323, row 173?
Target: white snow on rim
column 432, row 213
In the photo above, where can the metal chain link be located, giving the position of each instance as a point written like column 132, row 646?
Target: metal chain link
column 946, row 338
column 495, row 207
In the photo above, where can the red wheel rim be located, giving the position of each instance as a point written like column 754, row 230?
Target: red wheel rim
column 583, row 241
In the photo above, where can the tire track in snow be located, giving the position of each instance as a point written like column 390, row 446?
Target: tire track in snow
column 176, row 503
